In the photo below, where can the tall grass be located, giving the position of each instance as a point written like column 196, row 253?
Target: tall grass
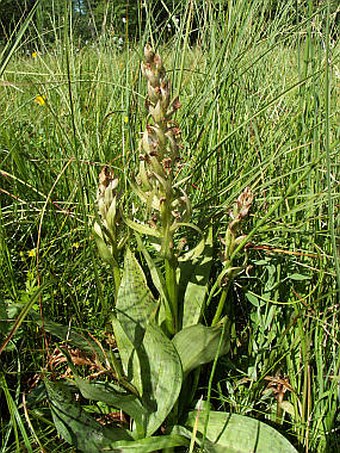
column 260, row 108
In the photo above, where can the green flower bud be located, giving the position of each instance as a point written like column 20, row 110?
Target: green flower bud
column 157, row 112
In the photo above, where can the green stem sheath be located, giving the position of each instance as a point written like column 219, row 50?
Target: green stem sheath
column 172, row 290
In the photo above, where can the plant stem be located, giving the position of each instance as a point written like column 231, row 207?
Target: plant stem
column 172, row 289
column 221, row 304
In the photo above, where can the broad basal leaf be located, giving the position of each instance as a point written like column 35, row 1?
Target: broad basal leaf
column 115, row 396
column 161, row 374
column 234, row 433
column 198, row 344
column 76, row 426
column 135, row 303
column 128, row 355
column 164, row 316
column 149, row 444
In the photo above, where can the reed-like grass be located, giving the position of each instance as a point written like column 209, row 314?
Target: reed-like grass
column 260, row 108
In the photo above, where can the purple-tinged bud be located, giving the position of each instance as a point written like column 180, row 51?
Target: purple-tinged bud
column 153, row 93
column 176, row 104
column 106, row 175
column 159, row 133
column 167, row 165
column 150, row 74
column 149, row 54
column 244, row 202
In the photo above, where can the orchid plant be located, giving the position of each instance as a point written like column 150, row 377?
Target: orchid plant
column 160, row 299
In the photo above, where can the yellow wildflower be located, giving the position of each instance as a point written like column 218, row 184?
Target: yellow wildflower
column 32, row 253
column 34, row 54
column 76, row 245
column 126, row 119
column 40, row 100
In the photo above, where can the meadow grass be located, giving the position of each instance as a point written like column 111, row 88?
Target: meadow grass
column 260, row 108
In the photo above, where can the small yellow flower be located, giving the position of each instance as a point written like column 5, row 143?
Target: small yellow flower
column 32, row 253
column 40, row 100
column 76, row 245
column 126, row 119
column 34, row 54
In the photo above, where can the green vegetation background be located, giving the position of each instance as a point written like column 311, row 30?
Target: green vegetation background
column 259, row 85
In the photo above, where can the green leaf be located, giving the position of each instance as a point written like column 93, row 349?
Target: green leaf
column 150, row 444
column 163, row 315
column 115, row 396
column 195, row 275
column 103, row 249
column 103, row 237
column 233, row 433
column 15, row 40
column 128, row 355
column 154, row 367
column 155, row 272
column 298, row 277
column 76, row 426
column 16, row 419
column 162, row 375
column 135, row 302
column 197, row 345
column 88, row 436
column 253, row 299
